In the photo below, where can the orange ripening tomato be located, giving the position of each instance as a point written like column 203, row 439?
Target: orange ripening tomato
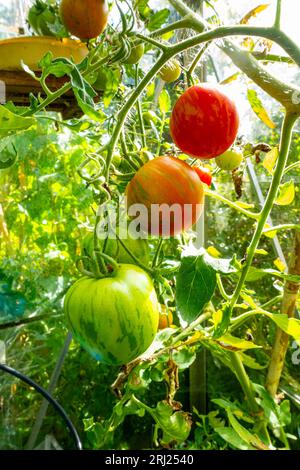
column 166, row 196
column 86, row 19
column 165, row 320
column 204, row 122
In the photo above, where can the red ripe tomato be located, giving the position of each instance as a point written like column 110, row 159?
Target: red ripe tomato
column 204, row 174
column 204, row 122
column 170, row 196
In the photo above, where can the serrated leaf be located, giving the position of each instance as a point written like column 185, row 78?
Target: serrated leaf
column 247, row 436
column 235, row 344
column 226, row 404
column 250, row 362
column 231, row 436
column 10, row 122
column 184, row 358
column 254, row 12
column 270, row 160
column 164, row 101
column 222, row 321
column 158, row 19
column 291, row 326
column 286, row 194
column 176, row 426
column 258, row 108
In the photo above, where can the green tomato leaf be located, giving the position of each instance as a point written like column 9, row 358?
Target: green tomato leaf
column 291, row 326
column 221, row 320
column 231, row 436
column 244, row 434
column 176, row 426
column 196, row 282
column 250, row 362
column 286, row 194
column 158, row 19
column 184, row 358
column 11, row 122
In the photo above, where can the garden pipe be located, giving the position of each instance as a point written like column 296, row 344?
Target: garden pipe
column 53, row 382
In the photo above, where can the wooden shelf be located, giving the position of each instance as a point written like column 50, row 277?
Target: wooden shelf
column 18, row 86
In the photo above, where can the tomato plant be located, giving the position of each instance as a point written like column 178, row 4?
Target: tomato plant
column 204, row 122
column 70, row 156
column 169, row 181
column 115, row 318
column 86, row 20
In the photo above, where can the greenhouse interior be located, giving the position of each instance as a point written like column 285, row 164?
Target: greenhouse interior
column 149, row 226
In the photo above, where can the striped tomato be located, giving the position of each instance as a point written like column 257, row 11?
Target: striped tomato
column 114, row 318
column 204, row 122
column 167, row 196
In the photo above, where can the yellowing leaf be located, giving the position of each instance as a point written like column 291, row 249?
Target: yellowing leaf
column 291, row 326
column 261, row 251
column 211, row 250
column 164, row 101
column 217, row 317
column 270, row 159
column 270, row 234
column 258, row 108
column 279, row 265
column 244, row 205
column 254, row 12
column 286, row 194
column 235, row 344
column 248, row 299
column 230, row 79
column 248, row 43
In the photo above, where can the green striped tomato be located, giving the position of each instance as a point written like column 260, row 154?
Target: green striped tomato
column 115, row 318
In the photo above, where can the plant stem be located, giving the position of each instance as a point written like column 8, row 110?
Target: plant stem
column 139, row 111
column 281, row 227
column 288, row 305
column 244, row 381
column 278, row 15
column 287, row 129
column 130, row 102
column 157, row 253
column 232, row 204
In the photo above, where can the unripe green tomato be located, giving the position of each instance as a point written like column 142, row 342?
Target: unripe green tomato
column 229, row 160
column 171, row 71
column 150, row 116
column 101, row 81
column 136, row 54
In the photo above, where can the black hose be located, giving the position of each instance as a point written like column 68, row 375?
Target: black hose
column 50, row 399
